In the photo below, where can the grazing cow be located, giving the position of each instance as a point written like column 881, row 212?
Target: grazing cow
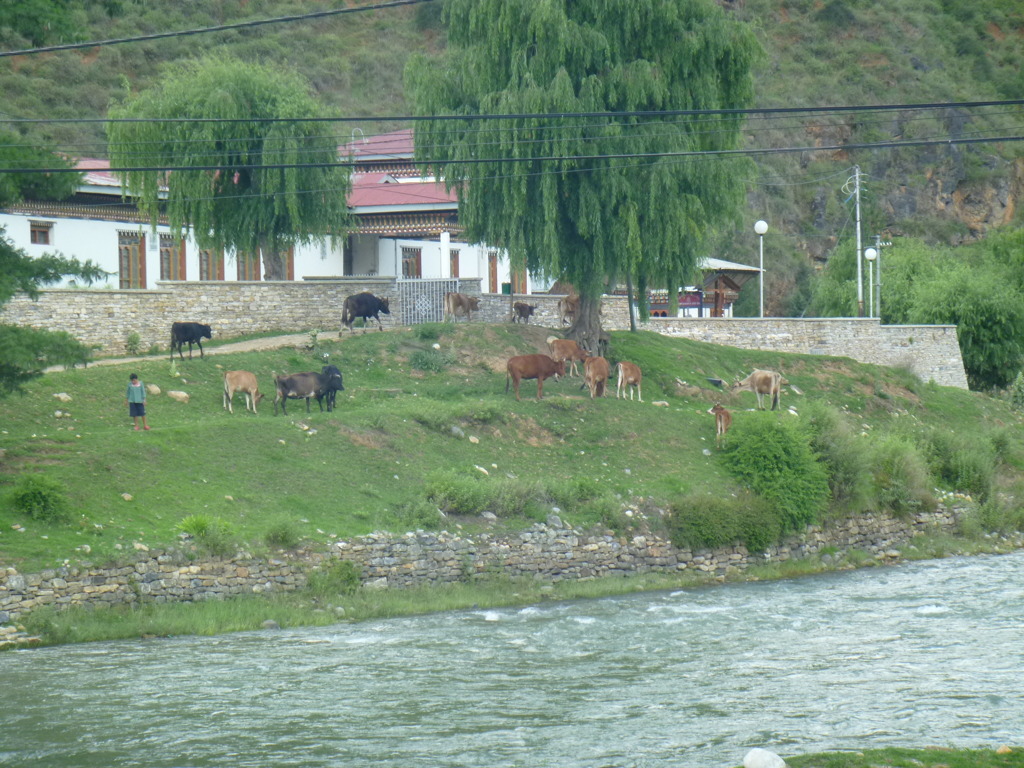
column 568, row 308
column 567, row 349
column 595, row 376
column 537, row 367
column 303, row 386
column 456, row 304
column 521, row 311
column 244, row 382
column 629, row 377
column 190, row 332
column 761, row 383
column 723, row 420
column 333, row 385
column 364, row 305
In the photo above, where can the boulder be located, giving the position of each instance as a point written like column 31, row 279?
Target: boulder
column 153, row 389
column 763, row 758
column 181, row 397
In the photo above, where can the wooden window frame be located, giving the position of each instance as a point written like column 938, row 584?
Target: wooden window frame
column 172, row 258
column 453, row 262
column 211, row 264
column 40, row 232
column 131, row 259
column 412, row 262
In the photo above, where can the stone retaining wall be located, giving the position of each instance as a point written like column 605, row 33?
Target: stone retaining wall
column 550, row 552
column 105, row 318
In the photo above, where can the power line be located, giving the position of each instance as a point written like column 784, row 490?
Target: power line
column 563, row 158
column 748, row 111
column 221, row 28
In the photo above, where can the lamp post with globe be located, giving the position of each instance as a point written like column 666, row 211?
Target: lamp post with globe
column 760, row 228
column 871, row 254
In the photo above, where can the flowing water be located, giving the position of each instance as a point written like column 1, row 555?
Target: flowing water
column 922, row 654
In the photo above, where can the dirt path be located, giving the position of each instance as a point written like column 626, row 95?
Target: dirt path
column 251, row 345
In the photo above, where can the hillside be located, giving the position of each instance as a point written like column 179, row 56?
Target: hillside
column 420, row 429
column 840, row 52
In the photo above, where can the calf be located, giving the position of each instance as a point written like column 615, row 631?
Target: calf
column 537, row 367
column 567, row 349
column 723, row 420
column 364, row 305
column 521, row 312
column 303, row 386
column 190, row 332
column 595, row 376
column 456, row 304
column 244, row 382
column 629, row 377
column 761, row 383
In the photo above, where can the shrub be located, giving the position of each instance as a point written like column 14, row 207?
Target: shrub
column 845, row 454
column 902, row 481
column 339, row 577
column 702, row 521
column 414, row 516
column 963, row 467
column 431, row 331
column 41, row 498
column 133, row 344
column 211, row 534
column 774, row 460
column 457, row 494
column 431, row 360
column 282, row 535
column 1017, row 392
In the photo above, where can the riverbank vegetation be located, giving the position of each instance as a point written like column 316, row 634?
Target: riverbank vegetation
column 424, row 436
column 895, row 757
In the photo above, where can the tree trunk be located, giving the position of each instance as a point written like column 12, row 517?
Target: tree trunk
column 586, row 327
column 629, row 302
column 273, row 263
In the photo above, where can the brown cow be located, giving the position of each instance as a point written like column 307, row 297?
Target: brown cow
column 537, row 367
column 456, row 304
column 568, row 308
column 723, row 420
column 521, row 311
column 595, row 375
column 761, row 383
column 629, row 377
column 244, row 382
column 567, row 349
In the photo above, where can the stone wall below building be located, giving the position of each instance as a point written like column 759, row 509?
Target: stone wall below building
column 550, row 552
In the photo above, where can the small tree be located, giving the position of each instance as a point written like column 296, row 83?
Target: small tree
column 240, row 119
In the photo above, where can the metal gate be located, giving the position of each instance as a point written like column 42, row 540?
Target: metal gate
column 422, row 301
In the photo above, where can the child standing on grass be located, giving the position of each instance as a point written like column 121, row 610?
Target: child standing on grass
column 136, row 400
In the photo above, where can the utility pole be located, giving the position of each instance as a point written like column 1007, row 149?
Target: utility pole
column 855, row 179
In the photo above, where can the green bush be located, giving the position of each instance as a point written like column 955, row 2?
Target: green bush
column 1000, row 514
column 1017, row 392
column 211, row 534
column 701, row 521
column 966, row 467
column 41, row 498
column 431, row 331
column 431, row 360
column 771, row 457
column 845, row 454
column 902, row 481
column 282, row 535
column 457, row 494
column 339, row 577
column 133, row 344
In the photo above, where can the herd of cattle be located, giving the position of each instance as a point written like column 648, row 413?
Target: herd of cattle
column 325, row 385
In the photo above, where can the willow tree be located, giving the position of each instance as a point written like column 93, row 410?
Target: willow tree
column 251, row 173
column 627, row 193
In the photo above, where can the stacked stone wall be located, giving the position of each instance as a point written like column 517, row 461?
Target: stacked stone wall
column 550, row 552
column 105, row 318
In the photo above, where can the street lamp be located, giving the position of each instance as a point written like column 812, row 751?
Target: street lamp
column 760, row 228
column 871, row 254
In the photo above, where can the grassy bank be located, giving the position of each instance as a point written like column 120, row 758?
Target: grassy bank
column 425, row 437
column 894, row 757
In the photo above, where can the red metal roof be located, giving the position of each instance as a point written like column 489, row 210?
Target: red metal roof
column 396, row 145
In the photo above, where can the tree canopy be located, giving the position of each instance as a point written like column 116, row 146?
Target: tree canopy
column 234, row 199
column 588, row 199
column 25, row 352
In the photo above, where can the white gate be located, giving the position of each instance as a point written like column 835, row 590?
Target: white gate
column 422, row 301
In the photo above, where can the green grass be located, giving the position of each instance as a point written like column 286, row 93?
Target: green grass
column 398, row 427
column 895, row 757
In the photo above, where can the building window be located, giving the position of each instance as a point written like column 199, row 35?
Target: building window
column 454, row 254
column 131, row 261
column 248, row 266
column 492, row 271
column 211, row 265
column 518, row 282
column 172, row 258
column 39, row 232
column 412, row 262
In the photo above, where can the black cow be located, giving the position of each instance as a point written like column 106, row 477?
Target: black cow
column 303, row 386
column 364, row 305
column 522, row 312
column 190, row 332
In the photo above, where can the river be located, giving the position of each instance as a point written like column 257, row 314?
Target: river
column 920, row 654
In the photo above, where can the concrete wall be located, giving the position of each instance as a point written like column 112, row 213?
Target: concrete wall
column 549, row 552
